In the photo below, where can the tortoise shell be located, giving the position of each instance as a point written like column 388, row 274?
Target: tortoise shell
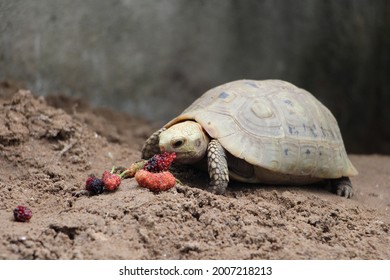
column 273, row 126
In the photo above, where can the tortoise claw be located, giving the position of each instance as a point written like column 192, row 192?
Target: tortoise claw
column 342, row 187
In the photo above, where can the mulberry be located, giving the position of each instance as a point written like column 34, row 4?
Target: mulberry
column 156, row 182
column 160, row 162
column 111, row 181
column 94, row 185
column 22, row 213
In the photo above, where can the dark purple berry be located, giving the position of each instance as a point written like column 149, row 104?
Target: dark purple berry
column 160, row 162
column 22, row 213
column 94, row 185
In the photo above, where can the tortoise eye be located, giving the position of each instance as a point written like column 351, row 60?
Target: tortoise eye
column 177, row 143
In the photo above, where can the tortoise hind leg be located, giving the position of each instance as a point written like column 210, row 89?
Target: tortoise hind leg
column 151, row 146
column 342, row 187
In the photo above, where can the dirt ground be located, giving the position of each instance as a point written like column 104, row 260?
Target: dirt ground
column 48, row 147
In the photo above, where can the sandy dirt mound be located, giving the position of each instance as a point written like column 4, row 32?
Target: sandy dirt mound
column 49, row 147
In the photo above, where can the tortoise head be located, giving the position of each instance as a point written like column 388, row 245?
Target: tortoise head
column 187, row 139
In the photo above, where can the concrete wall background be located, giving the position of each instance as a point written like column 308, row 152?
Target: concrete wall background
column 153, row 58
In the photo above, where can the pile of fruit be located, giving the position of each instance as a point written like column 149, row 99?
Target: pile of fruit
column 110, row 181
column 152, row 174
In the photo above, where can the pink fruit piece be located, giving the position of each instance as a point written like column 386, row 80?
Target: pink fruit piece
column 111, row 181
column 156, row 182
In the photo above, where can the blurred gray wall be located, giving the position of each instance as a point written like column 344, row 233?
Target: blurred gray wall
column 153, row 58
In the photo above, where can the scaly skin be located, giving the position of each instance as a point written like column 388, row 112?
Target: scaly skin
column 217, row 167
column 151, row 146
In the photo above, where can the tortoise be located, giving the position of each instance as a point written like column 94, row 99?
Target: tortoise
column 267, row 131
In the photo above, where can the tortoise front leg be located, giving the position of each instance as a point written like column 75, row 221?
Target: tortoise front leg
column 151, row 147
column 217, row 167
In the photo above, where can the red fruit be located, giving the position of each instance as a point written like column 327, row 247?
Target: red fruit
column 156, row 182
column 160, row 162
column 22, row 213
column 111, row 181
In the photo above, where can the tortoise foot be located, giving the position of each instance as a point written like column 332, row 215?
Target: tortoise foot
column 151, row 146
column 342, row 187
column 217, row 189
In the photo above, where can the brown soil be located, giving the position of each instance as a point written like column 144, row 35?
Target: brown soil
column 48, row 147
